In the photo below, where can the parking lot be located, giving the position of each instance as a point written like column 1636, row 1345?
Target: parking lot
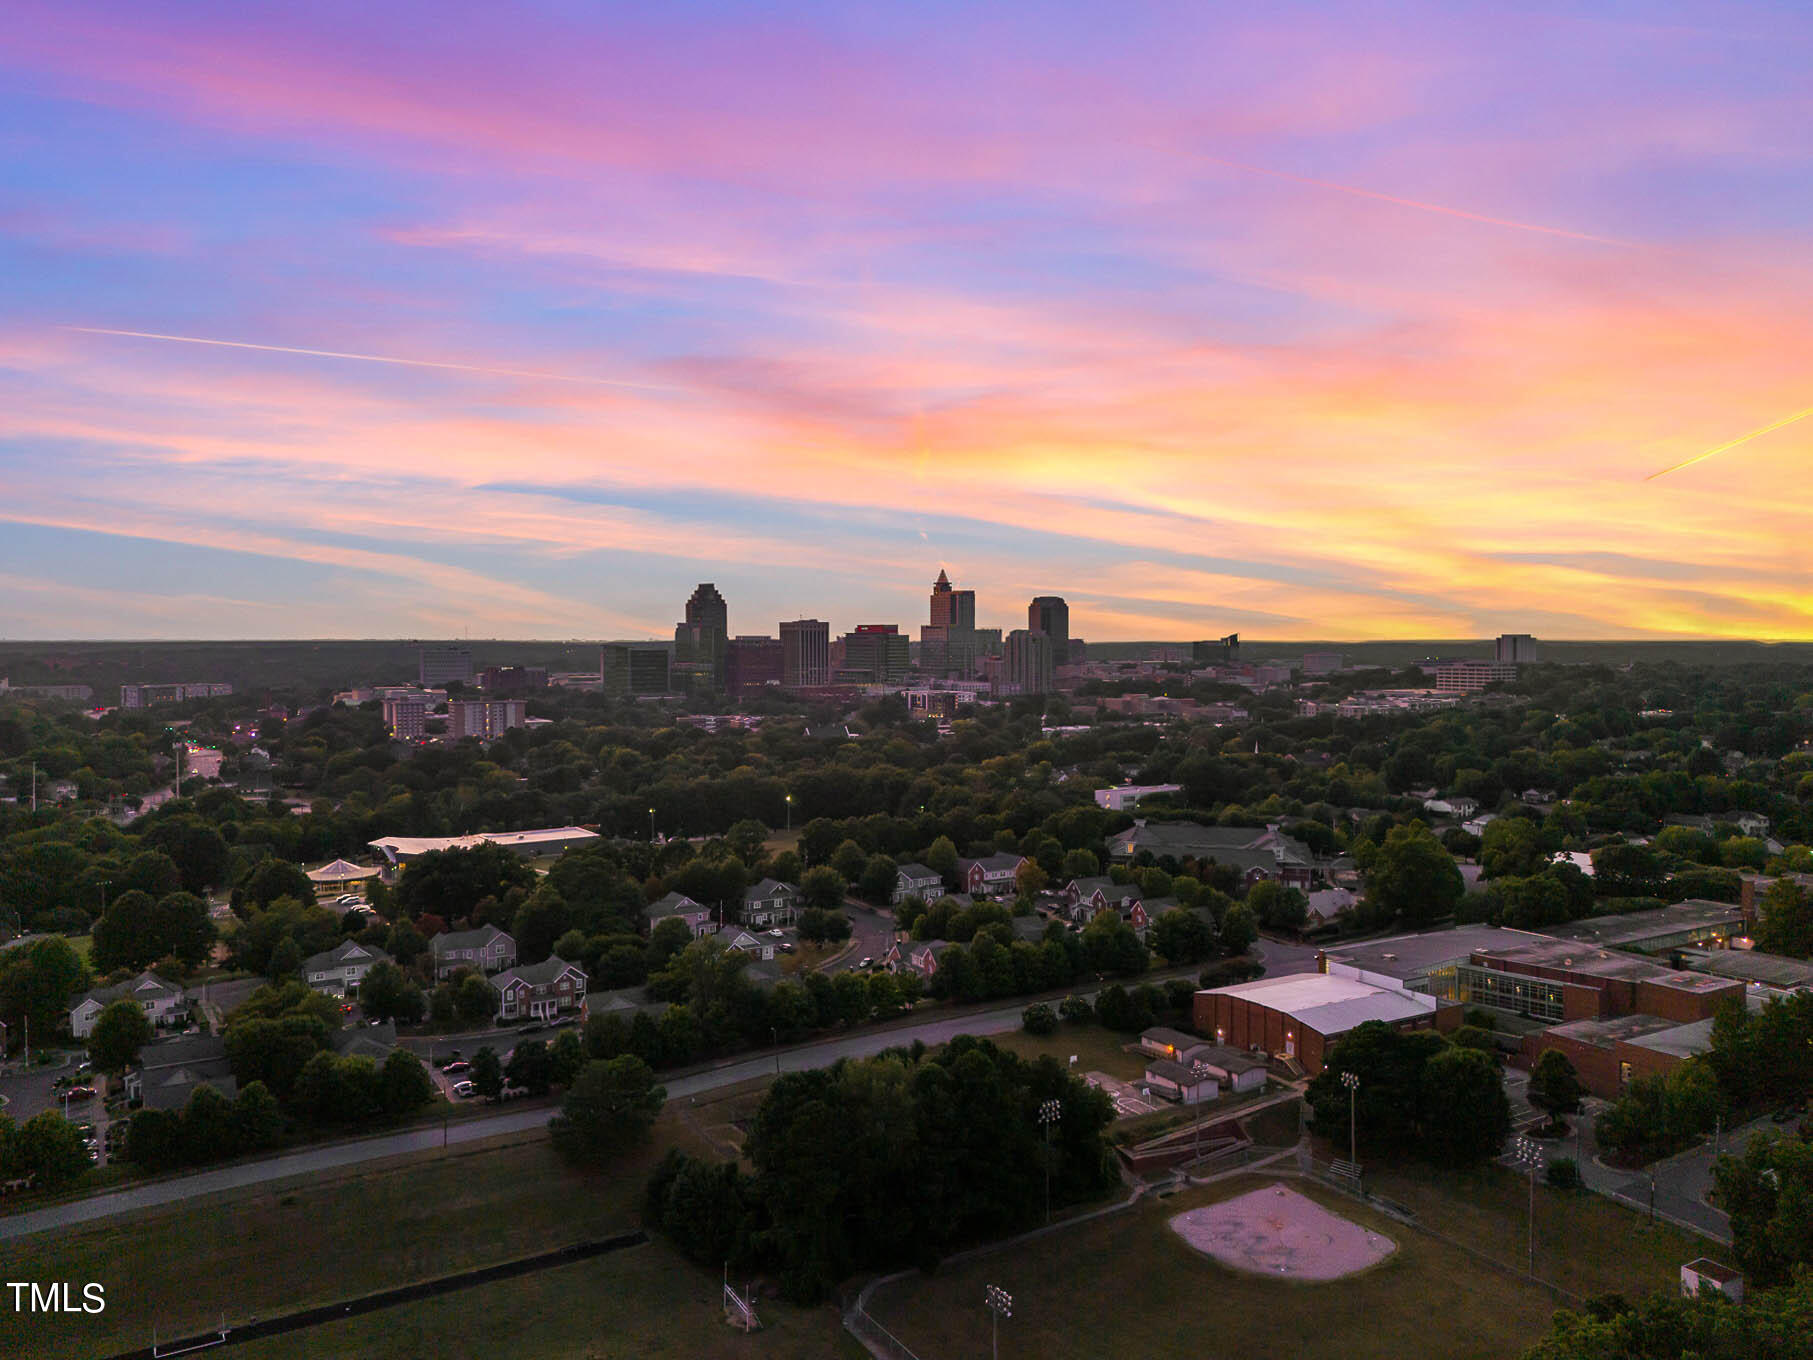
column 32, row 1090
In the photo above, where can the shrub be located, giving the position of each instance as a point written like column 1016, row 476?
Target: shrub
column 1039, row 1019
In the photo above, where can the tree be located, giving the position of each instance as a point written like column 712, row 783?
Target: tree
column 286, row 960
column 1238, row 929
column 611, row 1105
column 668, row 937
column 1465, row 1113
column 258, row 1117
column 540, row 921
column 475, row 999
column 36, row 984
column 818, row 925
column 1039, row 1019
column 1276, row 907
column 566, row 1055
column 488, row 1071
column 387, row 993
column 1512, row 847
column 1768, row 1191
column 848, row 859
column 1412, row 878
column 1785, row 925
column 269, row 880
column 1079, row 864
column 531, row 1067
column 49, row 1147
column 1182, row 936
column 876, row 884
column 1555, row 1086
column 941, row 857
column 120, row 1030
column 451, row 883
column 196, row 848
column 403, row 1084
column 822, row 887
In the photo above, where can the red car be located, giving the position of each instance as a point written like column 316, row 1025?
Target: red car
column 80, row 1093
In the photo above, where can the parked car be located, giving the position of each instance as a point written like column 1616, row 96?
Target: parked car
column 560, row 1020
column 81, row 1093
column 465, row 1090
column 870, row 962
column 453, row 1069
column 785, row 946
column 533, row 1027
column 777, row 933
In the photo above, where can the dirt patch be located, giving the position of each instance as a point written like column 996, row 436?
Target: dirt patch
column 1277, row 1232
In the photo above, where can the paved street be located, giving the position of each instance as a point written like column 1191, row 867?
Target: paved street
column 872, row 932
column 1278, row 958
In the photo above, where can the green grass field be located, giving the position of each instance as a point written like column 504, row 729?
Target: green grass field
column 1126, row 1285
column 1096, row 1049
column 292, row 1245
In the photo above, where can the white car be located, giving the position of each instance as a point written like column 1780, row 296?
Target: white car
column 777, row 933
column 464, row 1090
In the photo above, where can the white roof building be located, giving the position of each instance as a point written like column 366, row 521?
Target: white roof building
column 549, row 841
column 1331, row 1003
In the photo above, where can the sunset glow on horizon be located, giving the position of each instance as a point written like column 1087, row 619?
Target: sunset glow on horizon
column 415, row 320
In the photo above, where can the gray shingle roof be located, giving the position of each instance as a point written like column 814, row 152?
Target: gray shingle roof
column 464, row 939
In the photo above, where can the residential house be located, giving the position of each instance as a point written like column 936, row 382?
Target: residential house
column 164, row 1003
column 486, row 949
column 340, row 970
column 1086, row 896
column 678, row 906
column 992, row 876
column 364, row 1041
column 169, row 1071
column 915, row 880
column 771, row 903
column 757, row 947
column 540, row 991
column 1750, row 823
column 919, row 955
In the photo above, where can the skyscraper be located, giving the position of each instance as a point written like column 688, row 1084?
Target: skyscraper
column 752, row 663
column 1516, row 647
column 1048, row 614
column 701, row 642
column 805, row 653
column 947, row 645
column 635, row 668
column 1026, row 661
column 875, row 654
column 952, row 608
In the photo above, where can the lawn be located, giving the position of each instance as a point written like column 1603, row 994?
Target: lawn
column 1127, row 1285
column 1586, row 1244
column 644, row 1301
column 289, row 1245
column 1096, row 1049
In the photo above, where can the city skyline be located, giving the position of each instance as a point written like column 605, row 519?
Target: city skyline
column 354, row 322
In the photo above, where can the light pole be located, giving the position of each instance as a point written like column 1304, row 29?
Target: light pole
column 1351, row 1080
column 1528, row 1152
column 651, row 826
column 1050, row 1112
column 1199, row 1070
column 1000, row 1304
column 789, row 812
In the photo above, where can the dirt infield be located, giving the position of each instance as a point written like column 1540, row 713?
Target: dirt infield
column 1277, row 1232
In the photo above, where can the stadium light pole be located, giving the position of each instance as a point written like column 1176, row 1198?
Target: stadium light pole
column 1200, row 1070
column 1351, row 1080
column 1528, row 1153
column 1000, row 1305
column 1049, row 1113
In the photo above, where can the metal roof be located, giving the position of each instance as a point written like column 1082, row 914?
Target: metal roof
column 1330, row 1003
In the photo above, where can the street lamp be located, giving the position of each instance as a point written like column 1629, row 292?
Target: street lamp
column 1351, row 1080
column 651, row 826
column 1527, row 1152
column 1050, row 1112
column 1000, row 1304
column 789, row 812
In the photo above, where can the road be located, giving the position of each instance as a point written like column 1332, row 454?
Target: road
column 872, row 931
column 1277, row 957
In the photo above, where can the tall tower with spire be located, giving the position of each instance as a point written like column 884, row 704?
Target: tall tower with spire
column 947, row 645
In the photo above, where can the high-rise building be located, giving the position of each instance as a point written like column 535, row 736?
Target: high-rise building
column 141, row 696
column 407, row 717
column 805, row 653
column 1221, row 652
column 630, row 669
column 948, row 645
column 701, row 640
column 1516, row 648
column 1048, row 614
column 439, row 666
column 752, row 664
column 875, row 654
column 502, row 681
column 1322, row 663
column 1026, row 662
column 484, row 718
column 1471, row 675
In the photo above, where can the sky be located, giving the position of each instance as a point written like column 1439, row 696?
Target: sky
column 1302, row 321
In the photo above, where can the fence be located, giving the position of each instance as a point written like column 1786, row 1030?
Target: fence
column 876, row 1339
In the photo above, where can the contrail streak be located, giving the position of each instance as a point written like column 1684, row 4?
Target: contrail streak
column 1418, row 204
column 1732, row 444
column 376, row 359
